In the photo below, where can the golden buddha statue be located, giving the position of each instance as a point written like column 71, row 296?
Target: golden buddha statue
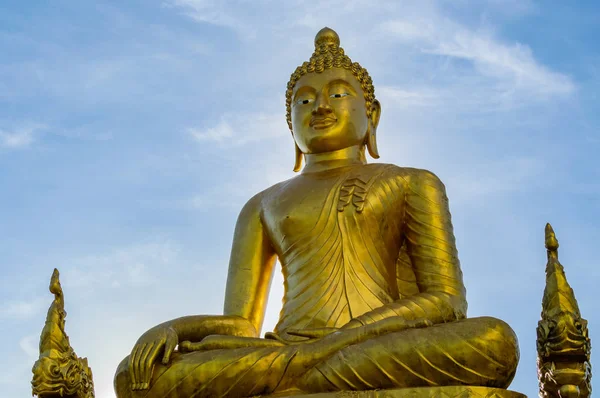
column 374, row 297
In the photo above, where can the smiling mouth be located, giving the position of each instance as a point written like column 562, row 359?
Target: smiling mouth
column 322, row 123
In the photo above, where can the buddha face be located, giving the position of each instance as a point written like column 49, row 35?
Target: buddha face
column 329, row 112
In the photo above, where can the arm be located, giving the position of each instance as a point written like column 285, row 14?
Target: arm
column 250, row 267
column 430, row 245
column 250, row 271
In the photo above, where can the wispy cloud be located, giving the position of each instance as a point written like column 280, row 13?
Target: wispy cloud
column 495, row 177
column 480, row 66
column 409, row 97
column 219, row 133
column 512, row 66
column 20, row 137
column 129, row 266
column 29, row 345
column 22, row 309
column 239, row 129
column 215, row 12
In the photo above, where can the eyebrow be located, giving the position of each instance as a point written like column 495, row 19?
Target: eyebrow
column 302, row 90
column 343, row 83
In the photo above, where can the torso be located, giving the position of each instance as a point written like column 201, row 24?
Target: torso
column 337, row 234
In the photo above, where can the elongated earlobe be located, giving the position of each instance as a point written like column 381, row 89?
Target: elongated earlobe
column 372, row 143
column 298, row 159
column 372, row 130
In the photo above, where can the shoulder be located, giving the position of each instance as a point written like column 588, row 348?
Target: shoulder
column 412, row 177
column 257, row 203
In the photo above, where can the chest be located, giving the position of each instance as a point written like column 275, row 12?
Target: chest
column 306, row 205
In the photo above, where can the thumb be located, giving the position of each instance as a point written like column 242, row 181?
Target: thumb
column 170, row 345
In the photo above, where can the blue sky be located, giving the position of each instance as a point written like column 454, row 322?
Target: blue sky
column 131, row 134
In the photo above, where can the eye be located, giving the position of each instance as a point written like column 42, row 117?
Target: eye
column 304, row 101
column 338, row 95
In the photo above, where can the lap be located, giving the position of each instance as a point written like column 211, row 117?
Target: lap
column 476, row 351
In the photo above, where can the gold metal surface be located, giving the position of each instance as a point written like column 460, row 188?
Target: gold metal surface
column 421, row 392
column 374, row 296
column 59, row 372
column 563, row 344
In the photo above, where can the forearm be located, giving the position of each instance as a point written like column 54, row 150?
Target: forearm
column 196, row 327
column 436, row 307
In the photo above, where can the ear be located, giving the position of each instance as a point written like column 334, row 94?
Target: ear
column 372, row 131
column 298, row 158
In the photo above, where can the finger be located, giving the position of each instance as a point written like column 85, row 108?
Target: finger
column 132, row 366
column 312, row 333
column 137, row 367
column 276, row 337
column 303, row 333
column 150, row 362
column 353, row 324
column 169, row 348
column 144, row 378
column 420, row 323
column 185, row 346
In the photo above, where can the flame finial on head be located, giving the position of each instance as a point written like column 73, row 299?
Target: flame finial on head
column 327, row 36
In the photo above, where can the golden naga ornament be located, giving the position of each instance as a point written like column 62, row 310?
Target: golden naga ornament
column 374, row 295
column 59, row 372
column 563, row 344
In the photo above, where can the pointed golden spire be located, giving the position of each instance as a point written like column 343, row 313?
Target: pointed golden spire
column 551, row 242
column 558, row 295
column 563, row 344
column 59, row 372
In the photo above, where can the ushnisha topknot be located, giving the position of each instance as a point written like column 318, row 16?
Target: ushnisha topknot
column 328, row 54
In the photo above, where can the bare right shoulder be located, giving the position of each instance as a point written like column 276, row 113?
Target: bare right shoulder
column 257, row 204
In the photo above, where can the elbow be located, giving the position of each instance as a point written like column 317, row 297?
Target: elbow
column 453, row 307
column 458, row 305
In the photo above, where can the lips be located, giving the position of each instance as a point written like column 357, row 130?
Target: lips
column 322, row 123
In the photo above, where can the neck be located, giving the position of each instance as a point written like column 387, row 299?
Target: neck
column 334, row 159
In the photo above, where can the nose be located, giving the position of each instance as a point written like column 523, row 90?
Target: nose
column 322, row 106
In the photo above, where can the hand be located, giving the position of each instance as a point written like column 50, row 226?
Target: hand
column 314, row 333
column 162, row 338
column 319, row 333
column 220, row 342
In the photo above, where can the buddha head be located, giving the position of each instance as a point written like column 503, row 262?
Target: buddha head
column 331, row 102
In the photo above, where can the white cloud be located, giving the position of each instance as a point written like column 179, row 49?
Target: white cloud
column 218, row 133
column 243, row 128
column 405, row 98
column 22, row 309
column 481, row 67
column 511, row 65
column 21, row 137
column 29, row 345
column 506, row 175
column 215, row 12
column 129, row 266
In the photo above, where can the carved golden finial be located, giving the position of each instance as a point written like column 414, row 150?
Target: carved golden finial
column 551, row 242
column 563, row 344
column 327, row 36
column 59, row 372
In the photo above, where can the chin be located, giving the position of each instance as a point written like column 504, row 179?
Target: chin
column 323, row 144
